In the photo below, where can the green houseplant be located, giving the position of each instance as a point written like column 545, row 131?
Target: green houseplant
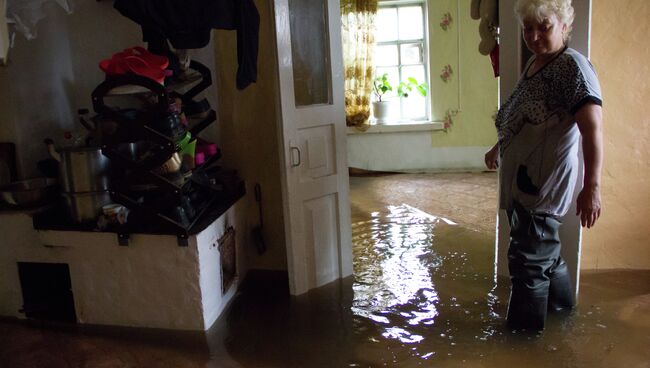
column 381, row 86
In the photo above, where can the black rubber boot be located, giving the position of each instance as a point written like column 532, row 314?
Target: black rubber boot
column 526, row 311
column 561, row 295
column 533, row 256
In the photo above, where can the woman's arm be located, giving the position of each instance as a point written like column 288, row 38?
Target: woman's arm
column 589, row 119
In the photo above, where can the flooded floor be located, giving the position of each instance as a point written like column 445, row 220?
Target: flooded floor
column 424, row 294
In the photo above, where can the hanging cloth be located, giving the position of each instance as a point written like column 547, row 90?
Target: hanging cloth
column 187, row 24
column 27, row 13
column 358, row 33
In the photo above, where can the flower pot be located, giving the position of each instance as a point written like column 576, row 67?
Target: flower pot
column 381, row 111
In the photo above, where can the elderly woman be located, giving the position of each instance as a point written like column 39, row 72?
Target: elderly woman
column 556, row 100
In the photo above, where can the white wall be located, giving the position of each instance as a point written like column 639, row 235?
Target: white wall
column 49, row 77
column 410, row 151
column 152, row 282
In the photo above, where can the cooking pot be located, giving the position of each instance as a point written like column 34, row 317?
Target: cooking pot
column 85, row 207
column 81, row 169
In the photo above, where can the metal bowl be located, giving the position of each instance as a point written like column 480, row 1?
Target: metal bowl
column 30, row 192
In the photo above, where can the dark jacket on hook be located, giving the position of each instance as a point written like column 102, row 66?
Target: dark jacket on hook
column 187, row 25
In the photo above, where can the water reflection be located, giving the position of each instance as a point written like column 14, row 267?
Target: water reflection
column 414, row 275
column 393, row 260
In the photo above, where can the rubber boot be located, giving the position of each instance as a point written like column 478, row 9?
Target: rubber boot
column 533, row 254
column 526, row 311
column 561, row 295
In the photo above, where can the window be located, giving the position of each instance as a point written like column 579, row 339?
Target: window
column 401, row 52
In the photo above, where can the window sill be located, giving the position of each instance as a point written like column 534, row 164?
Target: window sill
column 399, row 128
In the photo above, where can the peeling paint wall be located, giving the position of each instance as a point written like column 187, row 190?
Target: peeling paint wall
column 620, row 53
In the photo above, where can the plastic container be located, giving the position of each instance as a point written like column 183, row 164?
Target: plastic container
column 199, row 158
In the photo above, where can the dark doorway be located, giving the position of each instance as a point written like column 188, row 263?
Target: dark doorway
column 47, row 291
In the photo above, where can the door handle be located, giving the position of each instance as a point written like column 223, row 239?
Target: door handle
column 293, row 163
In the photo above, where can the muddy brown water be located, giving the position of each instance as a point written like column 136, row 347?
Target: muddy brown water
column 423, row 294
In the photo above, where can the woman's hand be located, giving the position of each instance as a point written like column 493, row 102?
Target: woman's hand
column 492, row 157
column 588, row 205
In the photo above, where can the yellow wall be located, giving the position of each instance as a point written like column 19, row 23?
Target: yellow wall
column 620, row 52
column 249, row 136
column 472, row 89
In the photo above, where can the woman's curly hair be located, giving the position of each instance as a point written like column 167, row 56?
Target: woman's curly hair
column 543, row 9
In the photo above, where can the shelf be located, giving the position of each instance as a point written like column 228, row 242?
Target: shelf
column 128, row 82
column 205, row 82
column 128, row 89
column 160, row 222
column 161, row 202
column 195, row 129
column 116, row 154
column 184, row 81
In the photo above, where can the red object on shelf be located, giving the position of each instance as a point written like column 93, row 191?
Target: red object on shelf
column 155, row 61
column 139, row 66
column 136, row 60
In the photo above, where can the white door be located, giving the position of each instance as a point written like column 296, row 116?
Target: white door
column 313, row 132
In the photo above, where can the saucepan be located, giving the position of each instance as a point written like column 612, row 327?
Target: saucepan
column 82, row 169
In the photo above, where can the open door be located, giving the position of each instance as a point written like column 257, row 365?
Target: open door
column 313, row 133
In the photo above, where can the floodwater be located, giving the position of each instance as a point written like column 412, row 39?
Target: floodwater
column 423, row 294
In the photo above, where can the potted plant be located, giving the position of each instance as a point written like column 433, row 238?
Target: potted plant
column 381, row 86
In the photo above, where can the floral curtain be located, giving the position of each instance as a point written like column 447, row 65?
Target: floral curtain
column 358, row 32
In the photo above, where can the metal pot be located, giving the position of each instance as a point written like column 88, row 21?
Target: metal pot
column 138, row 151
column 173, row 165
column 82, row 169
column 85, row 207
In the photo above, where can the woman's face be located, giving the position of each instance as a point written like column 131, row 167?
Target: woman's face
column 546, row 37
